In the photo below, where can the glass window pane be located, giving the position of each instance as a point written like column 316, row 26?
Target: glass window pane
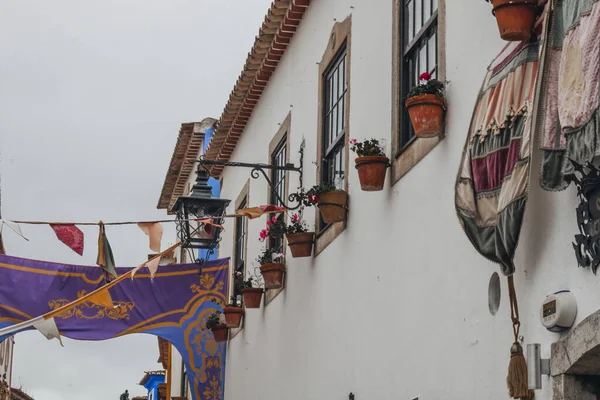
column 409, row 15
column 329, row 93
column 344, row 74
column 340, row 117
column 335, row 86
column 423, row 59
column 432, row 47
column 435, row 5
column 426, row 9
column 418, row 15
column 334, row 127
column 340, row 75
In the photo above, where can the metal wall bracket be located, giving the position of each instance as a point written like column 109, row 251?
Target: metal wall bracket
column 258, row 169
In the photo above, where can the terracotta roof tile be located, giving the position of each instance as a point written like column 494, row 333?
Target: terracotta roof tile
column 273, row 38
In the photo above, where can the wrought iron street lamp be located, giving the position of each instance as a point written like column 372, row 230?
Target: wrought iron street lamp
column 190, row 212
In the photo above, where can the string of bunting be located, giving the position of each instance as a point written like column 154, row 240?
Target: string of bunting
column 70, row 235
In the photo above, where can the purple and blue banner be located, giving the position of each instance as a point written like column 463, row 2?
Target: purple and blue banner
column 174, row 305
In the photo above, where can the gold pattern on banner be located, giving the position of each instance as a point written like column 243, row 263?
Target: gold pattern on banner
column 208, row 283
column 89, row 310
column 213, row 390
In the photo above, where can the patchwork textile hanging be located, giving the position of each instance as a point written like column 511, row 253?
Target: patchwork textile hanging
column 493, row 178
column 571, row 95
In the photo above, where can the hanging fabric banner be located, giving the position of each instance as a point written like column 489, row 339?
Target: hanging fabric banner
column 174, row 305
column 571, row 91
column 70, row 235
column 493, row 177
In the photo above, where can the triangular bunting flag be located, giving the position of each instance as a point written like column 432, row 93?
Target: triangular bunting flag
column 12, row 225
column 102, row 298
column 255, row 212
column 105, row 256
column 48, row 328
column 70, row 235
column 153, row 266
column 154, row 230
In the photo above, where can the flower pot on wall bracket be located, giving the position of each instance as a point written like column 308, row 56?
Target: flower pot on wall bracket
column 426, row 113
column 515, row 18
column 233, row 316
column 371, row 172
column 301, row 244
column 220, row 332
column 332, row 206
column 273, row 275
column 252, row 297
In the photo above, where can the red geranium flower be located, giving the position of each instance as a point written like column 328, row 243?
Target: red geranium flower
column 425, row 76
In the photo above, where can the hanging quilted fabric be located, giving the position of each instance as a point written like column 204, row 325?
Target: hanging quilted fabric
column 571, row 96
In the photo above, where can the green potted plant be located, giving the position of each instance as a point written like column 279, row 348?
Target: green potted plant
column 330, row 200
column 218, row 329
column 426, row 106
column 252, row 292
column 515, row 19
column 272, row 268
column 371, row 164
column 299, row 239
column 232, row 311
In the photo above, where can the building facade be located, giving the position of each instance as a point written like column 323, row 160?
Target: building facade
column 394, row 303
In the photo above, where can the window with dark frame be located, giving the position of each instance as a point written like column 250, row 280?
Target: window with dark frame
column 419, row 21
column 184, row 380
column 335, row 86
column 240, row 249
column 278, row 157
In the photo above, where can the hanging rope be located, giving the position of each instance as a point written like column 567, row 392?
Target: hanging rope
column 516, row 379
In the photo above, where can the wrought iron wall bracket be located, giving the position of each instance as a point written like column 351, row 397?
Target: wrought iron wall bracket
column 259, row 169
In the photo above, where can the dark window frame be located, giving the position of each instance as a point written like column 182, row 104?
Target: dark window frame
column 333, row 148
column 241, row 232
column 411, row 44
column 279, row 156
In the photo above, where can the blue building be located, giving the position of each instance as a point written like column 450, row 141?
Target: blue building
column 153, row 381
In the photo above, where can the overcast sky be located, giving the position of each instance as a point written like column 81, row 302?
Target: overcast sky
column 92, row 94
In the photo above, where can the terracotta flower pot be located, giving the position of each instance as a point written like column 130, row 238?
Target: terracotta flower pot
column 233, row 316
column 273, row 275
column 301, row 244
column 371, row 172
column 426, row 112
column 252, row 297
column 220, row 332
column 332, row 206
column 515, row 18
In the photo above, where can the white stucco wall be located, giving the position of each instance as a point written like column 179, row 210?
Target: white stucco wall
column 396, row 307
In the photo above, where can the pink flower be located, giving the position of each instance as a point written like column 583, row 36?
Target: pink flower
column 263, row 234
column 295, row 218
column 238, row 273
column 268, row 222
column 425, row 76
column 274, row 219
column 314, row 199
column 352, row 141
